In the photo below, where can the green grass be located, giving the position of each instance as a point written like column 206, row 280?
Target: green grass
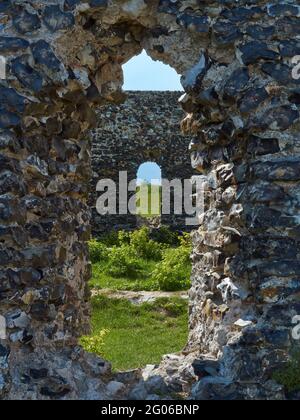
column 102, row 280
column 139, row 334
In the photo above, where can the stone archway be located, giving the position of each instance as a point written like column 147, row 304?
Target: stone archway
column 63, row 58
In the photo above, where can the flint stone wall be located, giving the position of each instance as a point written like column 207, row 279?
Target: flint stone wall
column 64, row 58
column 146, row 128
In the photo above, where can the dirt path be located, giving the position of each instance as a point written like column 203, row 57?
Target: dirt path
column 139, row 297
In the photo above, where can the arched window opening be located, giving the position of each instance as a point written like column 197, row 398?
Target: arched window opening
column 142, row 73
column 149, row 190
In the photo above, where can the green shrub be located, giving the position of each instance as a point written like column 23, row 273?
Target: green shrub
column 185, row 240
column 144, row 246
column 124, row 237
column 98, row 251
column 289, row 376
column 110, row 239
column 95, row 343
column 123, row 263
column 164, row 235
column 174, row 271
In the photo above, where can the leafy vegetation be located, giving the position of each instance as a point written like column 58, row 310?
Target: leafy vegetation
column 131, row 336
column 172, row 274
column 123, row 262
column 94, row 343
column 289, row 376
column 134, row 261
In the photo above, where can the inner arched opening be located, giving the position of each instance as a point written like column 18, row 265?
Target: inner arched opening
column 149, row 184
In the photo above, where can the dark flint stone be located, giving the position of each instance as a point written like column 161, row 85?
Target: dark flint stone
column 59, row 393
column 192, row 79
column 11, row 182
column 263, row 193
column 228, row 129
column 55, row 19
column 168, row 6
column 26, row 22
column 288, row 26
column 281, row 170
column 236, row 83
column 8, row 119
column 289, row 48
column 204, row 368
column 11, row 100
column 284, row 116
column 266, row 247
column 260, row 33
column 158, row 31
column 44, row 56
column 9, row 164
column 10, row 209
column 208, row 97
column 5, row 5
column 8, row 140
column 26, row 338
column 26, row 75
column 283, row 268
column 255, row 50
column 280, row 118
column 98, row 3
column 259, row 146
column 239, row 14
column 198, row 24
column 159, row 48
column 280, row 72
column 4, row 351
column 280, row 10
column 40, row 311
column 10, row 44
column 262, row 217
column 71, row 4
column 38, row 373
column 295, row 97
column 252, row 99
column 226, row 33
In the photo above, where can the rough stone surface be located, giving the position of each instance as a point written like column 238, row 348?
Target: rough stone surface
column 240, row 269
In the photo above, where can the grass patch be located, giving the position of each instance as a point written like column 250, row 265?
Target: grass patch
column 102, row 280
column 136, row 335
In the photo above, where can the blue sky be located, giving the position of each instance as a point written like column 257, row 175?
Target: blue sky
column 149, row 172
column 142, row 73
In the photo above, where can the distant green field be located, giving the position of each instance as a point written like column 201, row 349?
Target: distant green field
column 149, row 200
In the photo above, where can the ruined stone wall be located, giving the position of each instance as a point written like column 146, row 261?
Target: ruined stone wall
column 64, row 58
column 145, row 128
